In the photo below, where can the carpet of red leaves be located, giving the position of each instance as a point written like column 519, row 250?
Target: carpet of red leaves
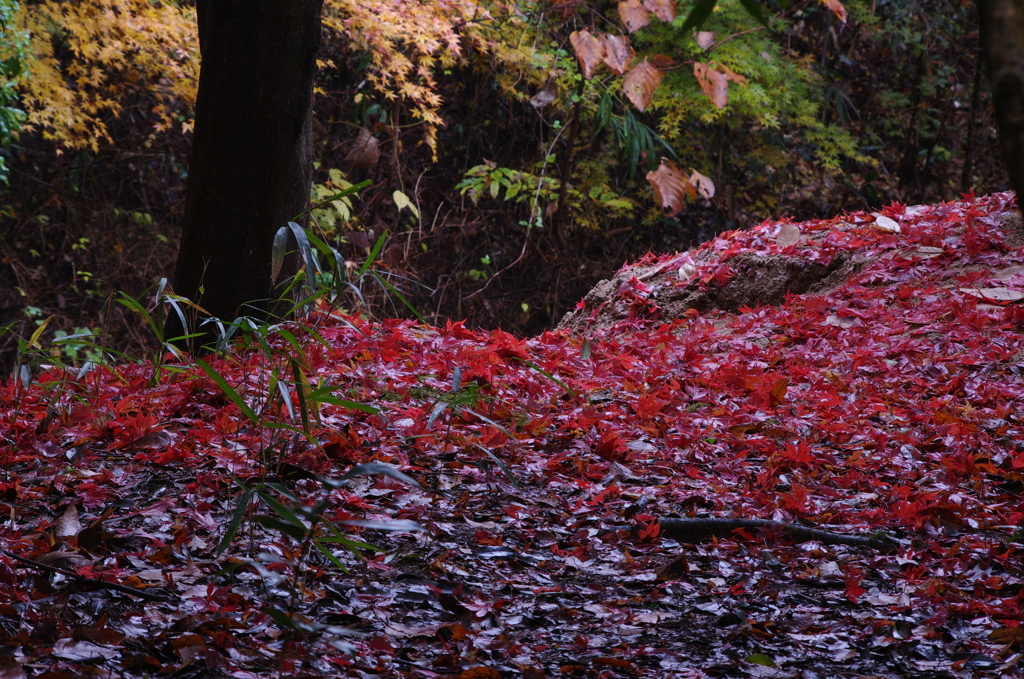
column 891, row 402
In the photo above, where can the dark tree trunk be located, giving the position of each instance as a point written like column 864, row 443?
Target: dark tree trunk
column 1002, row 34
column 251, row 160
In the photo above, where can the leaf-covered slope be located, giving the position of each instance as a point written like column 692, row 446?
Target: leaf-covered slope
column 882, row 393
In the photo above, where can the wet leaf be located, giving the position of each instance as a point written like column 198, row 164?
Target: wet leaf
column 761, row 659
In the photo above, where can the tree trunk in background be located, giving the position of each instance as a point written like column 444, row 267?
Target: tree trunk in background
column 1002, row 34
column 251, row 161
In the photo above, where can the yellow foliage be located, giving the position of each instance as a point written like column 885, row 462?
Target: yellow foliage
column 407, row 42
column 86, row 56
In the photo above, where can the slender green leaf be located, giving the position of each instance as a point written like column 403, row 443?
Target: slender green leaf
column 397, row 294
column 698, row 15
column 551, row 377
column 306, row 251
column 492, row 423
column 373, row 254
column 277, row 253
column 753, row 8
column 369, row 468
column 280, row 509
column 330, row 557
column 228, row 391
column 504, row 468
column 301, row 386
column 236, row 519
column 398, row 525
column 435, row 413
column 294, row 531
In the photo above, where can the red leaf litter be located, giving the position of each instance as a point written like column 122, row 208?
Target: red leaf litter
column 884, row 397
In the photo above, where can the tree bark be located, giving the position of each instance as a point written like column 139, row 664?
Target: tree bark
column 1002, row 34
column 251, row 161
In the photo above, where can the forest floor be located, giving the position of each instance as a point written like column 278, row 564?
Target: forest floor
column 863, row 376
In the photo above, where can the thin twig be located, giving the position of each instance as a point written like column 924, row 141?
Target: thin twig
column 103, row 584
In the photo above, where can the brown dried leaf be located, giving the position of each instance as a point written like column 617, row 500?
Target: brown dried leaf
column 663, row 9
column 634, row 15
column 670, row 186
column 640, row 83
column 62, row 558
column 618, row 54
column 365, row 151
column 703, row 185
column 714, row 84
column 789, row 234
column 590, row 51
column 731, row 74
column 662, row 61
column 885, row 224
column 928, row 251
column 994, row 294
column 837, row 8
column 547, row 94
column 68, row 525
column 1007, row 636
column 705, row 39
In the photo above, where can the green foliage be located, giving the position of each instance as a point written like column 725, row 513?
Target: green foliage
column 519, row 186
column 784, row 91
column 332, row 204
column 13, row 44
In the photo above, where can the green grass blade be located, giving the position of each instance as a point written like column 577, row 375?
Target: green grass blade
column 228, row 391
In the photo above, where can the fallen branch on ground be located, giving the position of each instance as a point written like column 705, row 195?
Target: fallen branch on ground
column 702, row 530
column 133, row 591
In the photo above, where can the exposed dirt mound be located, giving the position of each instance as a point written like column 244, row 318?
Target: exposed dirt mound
column 787, row 258
column 756, row 281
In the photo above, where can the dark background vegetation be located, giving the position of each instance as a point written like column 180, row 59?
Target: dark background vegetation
column 79, row 225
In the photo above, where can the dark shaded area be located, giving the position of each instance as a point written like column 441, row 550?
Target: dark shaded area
column 79, row 226
column 251, row 159
column 1002, row 29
